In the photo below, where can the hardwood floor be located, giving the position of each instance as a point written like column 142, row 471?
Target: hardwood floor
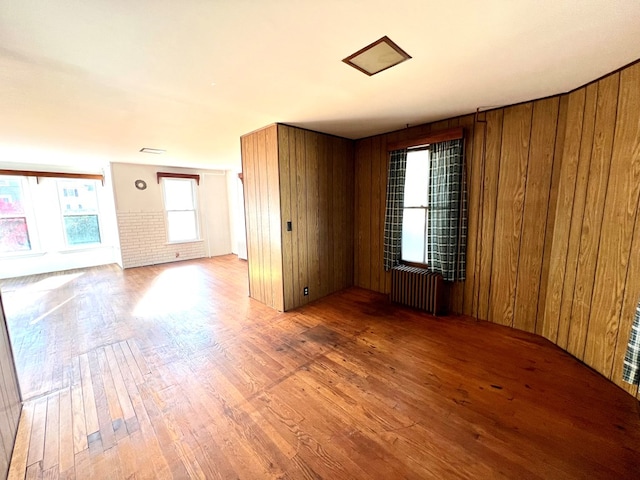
column 173, row 372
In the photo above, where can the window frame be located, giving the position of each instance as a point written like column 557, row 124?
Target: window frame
column 193, row 182
column 453, row 133
column 80, row 181
column 425, row 208
column 32, row 231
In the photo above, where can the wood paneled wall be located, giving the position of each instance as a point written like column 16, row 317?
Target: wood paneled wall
column 306, row 178
column 261, row 181
column 317, row 196
column 594, row 275
column 10, row 403
column 553, row 199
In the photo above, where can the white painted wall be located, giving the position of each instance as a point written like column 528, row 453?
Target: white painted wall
column 49, row 252
column 142, row 222
column 215, row 213
column 236, row 214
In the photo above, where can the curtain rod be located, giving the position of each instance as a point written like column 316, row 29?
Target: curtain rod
column 195, row 177
column 435, row 137
column 38, row 174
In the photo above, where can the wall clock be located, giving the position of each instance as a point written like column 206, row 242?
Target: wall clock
column 141, row 184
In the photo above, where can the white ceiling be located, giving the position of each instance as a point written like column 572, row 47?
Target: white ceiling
column 103, row 78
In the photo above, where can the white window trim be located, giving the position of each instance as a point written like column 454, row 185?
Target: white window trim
column 29, row 215
column 82, row 246
column 196, row 210
column 426, row 209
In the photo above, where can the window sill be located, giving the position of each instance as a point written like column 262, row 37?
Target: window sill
column 83, row 248
column 180, row 242
column 12, row 255
column 414, row 264
column 63, row 251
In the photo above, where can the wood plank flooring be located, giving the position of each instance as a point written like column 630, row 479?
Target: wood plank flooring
column 173, row 372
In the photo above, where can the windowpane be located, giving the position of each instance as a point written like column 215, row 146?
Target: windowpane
column 182, row 226
column 416, row 185
column 11, row 197
column 413, row 235
column 416, row 194
column 14, row 235
column 82, row 229
column 178, row 194
column 77, row 197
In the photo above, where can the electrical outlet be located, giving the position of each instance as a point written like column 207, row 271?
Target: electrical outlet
column 305, row 291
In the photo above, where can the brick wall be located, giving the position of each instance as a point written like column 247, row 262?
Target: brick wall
column 143, row 241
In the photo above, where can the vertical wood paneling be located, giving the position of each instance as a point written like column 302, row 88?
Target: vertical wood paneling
column 300, row 226
column 472, row 147
column 359, row 215
column 489, row 199
column 10, row 403
column 343, row 243
column 284, row 154
column 304, row 177
column 376, row 225
column 508, row 227
column 539, row 170
column 260, row 213
column 348, row 171
column 335, row 167
column 594, row 208
column 629, row 303
column 248, row 179
column 274, row 220
column 551, row 213
column 263, row 219
column 617, row 227
column 313, row 215
column 577, row 214
column 291, row 174
column 476, row 190
column 325, row 232
column 566, row 190
column 365, row 214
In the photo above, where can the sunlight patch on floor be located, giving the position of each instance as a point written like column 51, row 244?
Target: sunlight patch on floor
column 174, row 291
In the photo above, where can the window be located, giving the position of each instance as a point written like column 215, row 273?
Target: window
column 14, row 227
column 180, row 205
column 416, row 207
column 80, row 213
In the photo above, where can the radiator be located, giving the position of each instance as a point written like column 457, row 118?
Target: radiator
column 419, row 288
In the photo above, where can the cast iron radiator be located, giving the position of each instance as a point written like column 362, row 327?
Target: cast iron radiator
column 419, row 288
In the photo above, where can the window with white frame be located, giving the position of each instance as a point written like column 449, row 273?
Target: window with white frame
column 180, row 205
column 14, row 218
column 416, row 207
column 80, row 212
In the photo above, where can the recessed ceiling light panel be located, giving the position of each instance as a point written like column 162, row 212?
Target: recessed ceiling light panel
column 378, row 56
column 156, row 151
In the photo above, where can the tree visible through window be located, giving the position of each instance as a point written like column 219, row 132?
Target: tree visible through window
column 79, row 205
column 14, row 231
column 180, row 205
column 416, row 207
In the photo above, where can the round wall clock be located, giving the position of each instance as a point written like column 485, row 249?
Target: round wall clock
column 141, row 184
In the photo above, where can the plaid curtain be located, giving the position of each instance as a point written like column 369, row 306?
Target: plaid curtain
column 395, row 205
column 447, row 224
column 631, row 367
